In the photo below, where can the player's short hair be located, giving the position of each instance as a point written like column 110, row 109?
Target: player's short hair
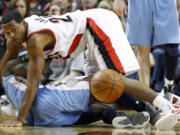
column 10, row 16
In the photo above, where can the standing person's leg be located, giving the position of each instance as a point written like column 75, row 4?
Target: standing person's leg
column 158, row 69
column 171, row 60
column 144, row 62
column 166, row 31
column 140, row 32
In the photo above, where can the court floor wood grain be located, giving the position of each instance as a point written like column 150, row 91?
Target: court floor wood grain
column 97, row 128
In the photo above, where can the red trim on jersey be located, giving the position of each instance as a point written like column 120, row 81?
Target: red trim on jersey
column 74, row 43
column 41, row 31
column 107, row 43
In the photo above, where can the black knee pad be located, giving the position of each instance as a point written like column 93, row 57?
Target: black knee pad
column 171, row 50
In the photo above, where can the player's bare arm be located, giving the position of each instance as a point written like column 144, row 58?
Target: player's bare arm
column 35, row 46
column 11, row 53
column 14, row 42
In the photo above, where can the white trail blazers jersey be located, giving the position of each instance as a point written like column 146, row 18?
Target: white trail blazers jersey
column 98, row 31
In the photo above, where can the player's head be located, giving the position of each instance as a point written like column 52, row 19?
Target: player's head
column 13, row 26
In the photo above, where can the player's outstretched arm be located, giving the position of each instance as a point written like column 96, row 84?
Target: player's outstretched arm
column 35, row 46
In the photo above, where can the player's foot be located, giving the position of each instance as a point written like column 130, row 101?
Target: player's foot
column 136, row 120
column 178, row 108
column 168, row 120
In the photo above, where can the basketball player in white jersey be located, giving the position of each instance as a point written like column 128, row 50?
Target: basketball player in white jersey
column 98, row 31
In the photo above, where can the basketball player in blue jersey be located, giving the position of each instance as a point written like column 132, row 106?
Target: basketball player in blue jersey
column 71, row 34
column 153, row 23
column 65, row 104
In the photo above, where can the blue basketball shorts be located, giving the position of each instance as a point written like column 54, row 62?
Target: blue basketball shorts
column 152, row 22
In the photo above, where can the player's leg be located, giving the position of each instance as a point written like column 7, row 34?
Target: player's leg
column 94, row 113
column 157, row 76
column 142, row 91
column 167, row 29
column 171, row 60
column 138, row 89
column 144, row 62
column 104, row 60
column 100, row 111
column 140, row 105
column 139, row 32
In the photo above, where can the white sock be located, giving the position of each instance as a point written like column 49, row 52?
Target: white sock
column 168, row 82
column 162, row 103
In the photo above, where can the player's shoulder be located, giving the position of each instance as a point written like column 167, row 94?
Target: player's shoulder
column 31, row 17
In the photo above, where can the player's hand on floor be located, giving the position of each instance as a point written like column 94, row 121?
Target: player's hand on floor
column 11, row 123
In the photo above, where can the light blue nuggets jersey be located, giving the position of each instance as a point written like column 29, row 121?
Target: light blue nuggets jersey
column 53, row 106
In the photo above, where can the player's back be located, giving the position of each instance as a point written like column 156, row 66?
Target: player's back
column 68, row 29
column 64, row 28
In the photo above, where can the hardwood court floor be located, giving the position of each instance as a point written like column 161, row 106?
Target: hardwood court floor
column 97, row 128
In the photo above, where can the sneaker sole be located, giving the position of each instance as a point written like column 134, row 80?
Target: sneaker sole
column 119, row 122
column 167, row 122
